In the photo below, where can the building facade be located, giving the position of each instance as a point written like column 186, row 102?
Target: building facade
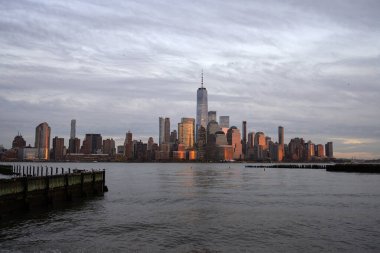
column 42, row 141
column 202, row 107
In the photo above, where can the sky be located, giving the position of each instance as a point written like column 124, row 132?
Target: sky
column 311, row 66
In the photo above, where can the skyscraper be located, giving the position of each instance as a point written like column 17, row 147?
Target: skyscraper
column 202, row 107
column 128, row 146
column 164, row 130
column 244, row 138
column 167, row 130
column 186, row 132
column 280, row 135
column 234, row 139
column 74, row 143
column 92, row 144
column 329, row 149
column 211, row 116
column 224, row 121
column 73, row 128
column 42, row 141
column 58, row 148
column 161, row 130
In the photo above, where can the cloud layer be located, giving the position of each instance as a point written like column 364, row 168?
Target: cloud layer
column 311, row 66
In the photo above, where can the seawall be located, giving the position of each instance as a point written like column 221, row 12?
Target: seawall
column 24, row 193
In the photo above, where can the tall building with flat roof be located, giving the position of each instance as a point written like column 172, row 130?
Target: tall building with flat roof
column 244, row 137
column 280, row 135
column 42, row 141
column 164, row 130
column 92, row 144
column 186, row 132
column 58, row 148
column 211, row 116
column 73, row 129
column 202, row 107
column 224, row 121
column 329, row 149
column 128, row 145
column 234, row 139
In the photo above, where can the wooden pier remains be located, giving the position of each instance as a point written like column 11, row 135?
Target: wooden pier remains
column 37, row 186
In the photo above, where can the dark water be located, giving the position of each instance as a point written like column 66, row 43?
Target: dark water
column 208, row 208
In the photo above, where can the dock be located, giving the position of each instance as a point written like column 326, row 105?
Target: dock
column 36, row 186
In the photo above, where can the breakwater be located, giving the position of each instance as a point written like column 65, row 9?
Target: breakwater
column 356, row 168
column 289, row 166
column 32, row 189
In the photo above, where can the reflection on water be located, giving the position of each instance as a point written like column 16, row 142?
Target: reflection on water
column 208, row 208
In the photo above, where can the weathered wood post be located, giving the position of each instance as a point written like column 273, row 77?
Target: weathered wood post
column 81, row 184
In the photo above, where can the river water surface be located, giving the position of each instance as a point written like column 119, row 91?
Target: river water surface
column 207, row 208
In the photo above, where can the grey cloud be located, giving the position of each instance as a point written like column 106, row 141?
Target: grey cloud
column 119, row 65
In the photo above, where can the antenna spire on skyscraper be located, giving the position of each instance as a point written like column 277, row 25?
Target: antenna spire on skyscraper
column 202, row 79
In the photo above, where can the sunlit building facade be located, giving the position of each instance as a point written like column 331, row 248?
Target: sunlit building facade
column 42, row 141
column 186, row 132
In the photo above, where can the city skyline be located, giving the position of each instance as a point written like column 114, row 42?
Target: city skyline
column 310, row 67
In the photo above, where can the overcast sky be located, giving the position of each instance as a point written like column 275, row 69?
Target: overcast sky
column 310, row 66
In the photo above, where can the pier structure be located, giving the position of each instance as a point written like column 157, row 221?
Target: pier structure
column 36, row 186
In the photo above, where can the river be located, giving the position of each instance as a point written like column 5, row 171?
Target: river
column 168, row 207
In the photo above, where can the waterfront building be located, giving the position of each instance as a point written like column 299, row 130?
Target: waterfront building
column 92, row 144
column 18, row 141
column 234, row 139
column 167, row 130
column 74, row 145
column 250, row 146
column 58, row 148
column 224, row 153
column 212, row 128
column 164, row 130
column 224, row 121
column 150, row 143
column 140, row 151
column 211, row 116
column 297, row 150
column 42, row 141
column 260, row 147
column 109, row 147
column 192, row 155
column 186, row 132
column 73, row 129
column 320, row 152
column 220, row 138
column 128, row 146
column 28, row 153
column 281, row 141
column 310, row 152
column 163, row 154
column 244, row 138
column 173, row 137
column 280, row 135
column 201, row 143
column 202, row 107
column 120, row 149
column 329, row 149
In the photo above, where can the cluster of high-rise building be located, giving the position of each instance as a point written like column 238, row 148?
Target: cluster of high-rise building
column 194, row 139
